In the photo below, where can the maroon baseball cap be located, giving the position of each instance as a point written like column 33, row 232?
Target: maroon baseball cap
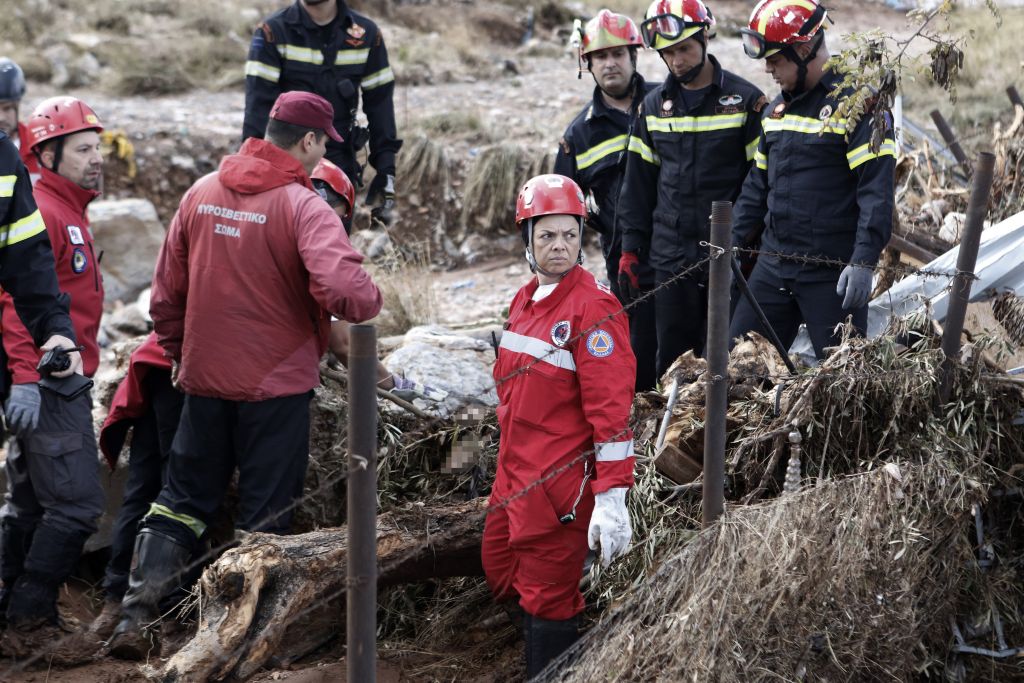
column 306, row 109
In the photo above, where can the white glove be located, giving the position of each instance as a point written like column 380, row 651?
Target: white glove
column 609, row 525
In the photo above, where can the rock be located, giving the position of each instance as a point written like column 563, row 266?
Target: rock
column 129, row 234
column 70, row 70
column 126, row 321
column 458, row 364
column 475, row 248
column 371, row 243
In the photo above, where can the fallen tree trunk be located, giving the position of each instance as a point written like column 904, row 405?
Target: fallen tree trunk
column 281, row 597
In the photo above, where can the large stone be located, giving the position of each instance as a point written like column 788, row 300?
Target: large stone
column 461, row 365
column 129, row 234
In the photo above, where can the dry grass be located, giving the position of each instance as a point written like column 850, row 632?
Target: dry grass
column 493, row 183
column 409, row 299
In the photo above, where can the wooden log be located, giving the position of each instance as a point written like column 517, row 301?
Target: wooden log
column 276, row 591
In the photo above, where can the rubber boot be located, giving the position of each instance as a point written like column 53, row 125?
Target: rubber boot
column 34, row 630
column 15, row 541
column 546, row 639
column 156, row 566
column 106, row 621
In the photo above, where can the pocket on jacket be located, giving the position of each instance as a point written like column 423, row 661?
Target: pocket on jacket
column 543, row 388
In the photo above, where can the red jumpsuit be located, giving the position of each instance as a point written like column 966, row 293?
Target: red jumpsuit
column 576, row 398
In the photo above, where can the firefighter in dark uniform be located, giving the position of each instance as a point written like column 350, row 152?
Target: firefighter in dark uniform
column 34, row 559
column 819, row 188
column 322, row 46
column 692, row 144
column 592, row 152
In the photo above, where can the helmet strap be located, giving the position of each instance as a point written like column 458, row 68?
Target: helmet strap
column 690, row 75
column 58, row 154
column 801, row 64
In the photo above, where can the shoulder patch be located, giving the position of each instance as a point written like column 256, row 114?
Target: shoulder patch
column 79, row 261
column 600, row 343
column 356, row 31
column 730, row 100
column 760, row 104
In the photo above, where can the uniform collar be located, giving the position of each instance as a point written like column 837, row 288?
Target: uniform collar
column 296, row 14
column 826, row 84
column 72, row 194
column 670, row 89
column 561, row 291
column 599, row 108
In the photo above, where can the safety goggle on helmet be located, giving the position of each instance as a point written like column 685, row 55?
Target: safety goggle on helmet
column 778, row 24
column 669, row 22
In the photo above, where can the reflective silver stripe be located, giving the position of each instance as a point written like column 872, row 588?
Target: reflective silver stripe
column 548, row 353
column 29, row 226
column 614, row 450
column 858, row 156
column 695, row 124
column 7, row 185
column 261, row 70
column 804, row 124
column 637, row 146
column 348, row 57
column 600, row 151
column 752, row 148
column 297, row 53
column 761, row 160
column 382, row 77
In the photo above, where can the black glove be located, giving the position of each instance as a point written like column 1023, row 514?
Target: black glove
column 382, row 194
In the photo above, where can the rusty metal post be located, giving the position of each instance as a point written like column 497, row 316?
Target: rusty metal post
column 967, row 258
column 1014, row 96
column 361, row 618
column 954, row 145
column 716, row 351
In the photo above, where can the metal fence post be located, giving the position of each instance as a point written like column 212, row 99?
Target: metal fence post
column 951, row 141
column 966, row 260
column 1014, row 96
column 361, row 618
column 716, row 351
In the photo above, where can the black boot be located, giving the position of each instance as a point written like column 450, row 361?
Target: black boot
column 49, row 562
column 546, row 639
column 156, row 567
column 15, row 541
column 34, row 632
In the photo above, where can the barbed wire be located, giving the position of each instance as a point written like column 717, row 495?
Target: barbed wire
column 504, row 502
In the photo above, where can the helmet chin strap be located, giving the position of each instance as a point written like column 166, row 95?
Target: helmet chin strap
column 695, row 71
column 801, row 64
column 532, row 260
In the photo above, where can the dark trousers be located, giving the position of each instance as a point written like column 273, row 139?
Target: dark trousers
column 53, row 474
column 642, row 333
column 152, row 435
column 681, row 312
column 787, row 302
column 268, row 441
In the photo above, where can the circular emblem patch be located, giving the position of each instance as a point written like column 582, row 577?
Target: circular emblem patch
column 560, row 333
column 600, row 344
column 79, row 261
column 825, row 112
column 666, row 106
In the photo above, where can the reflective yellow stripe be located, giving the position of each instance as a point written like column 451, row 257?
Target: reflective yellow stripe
column 193, row 524
column 349, row 57
column 804, row 124
column 761, row 160
column 18, row 231
column 297, row 53
column 261, row 70
column 637, row 146
column 752, row 148
column 7, row 185
column 859, row 155
column 772, row 7
column 382, row 77
column 695, row 124
column 598, row 152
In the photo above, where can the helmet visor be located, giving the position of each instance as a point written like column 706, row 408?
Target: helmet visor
column 668, row 26
column 755, row 45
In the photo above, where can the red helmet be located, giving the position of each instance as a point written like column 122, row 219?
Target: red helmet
column 59, row 116
column 669, row 22
column 550, row 194
column 606, row 30
column 777, row 24
column 337, row 180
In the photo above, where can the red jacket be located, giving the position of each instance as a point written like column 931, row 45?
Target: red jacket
column 130, row 400
column 576, row 398
column 27, row 156
column 253, row 265
column 62, row 204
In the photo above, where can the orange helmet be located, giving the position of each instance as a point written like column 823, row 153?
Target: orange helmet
column 778, row 24
column 606, row 30
column 669, row 22
column 60, row 116
column 335, row 178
